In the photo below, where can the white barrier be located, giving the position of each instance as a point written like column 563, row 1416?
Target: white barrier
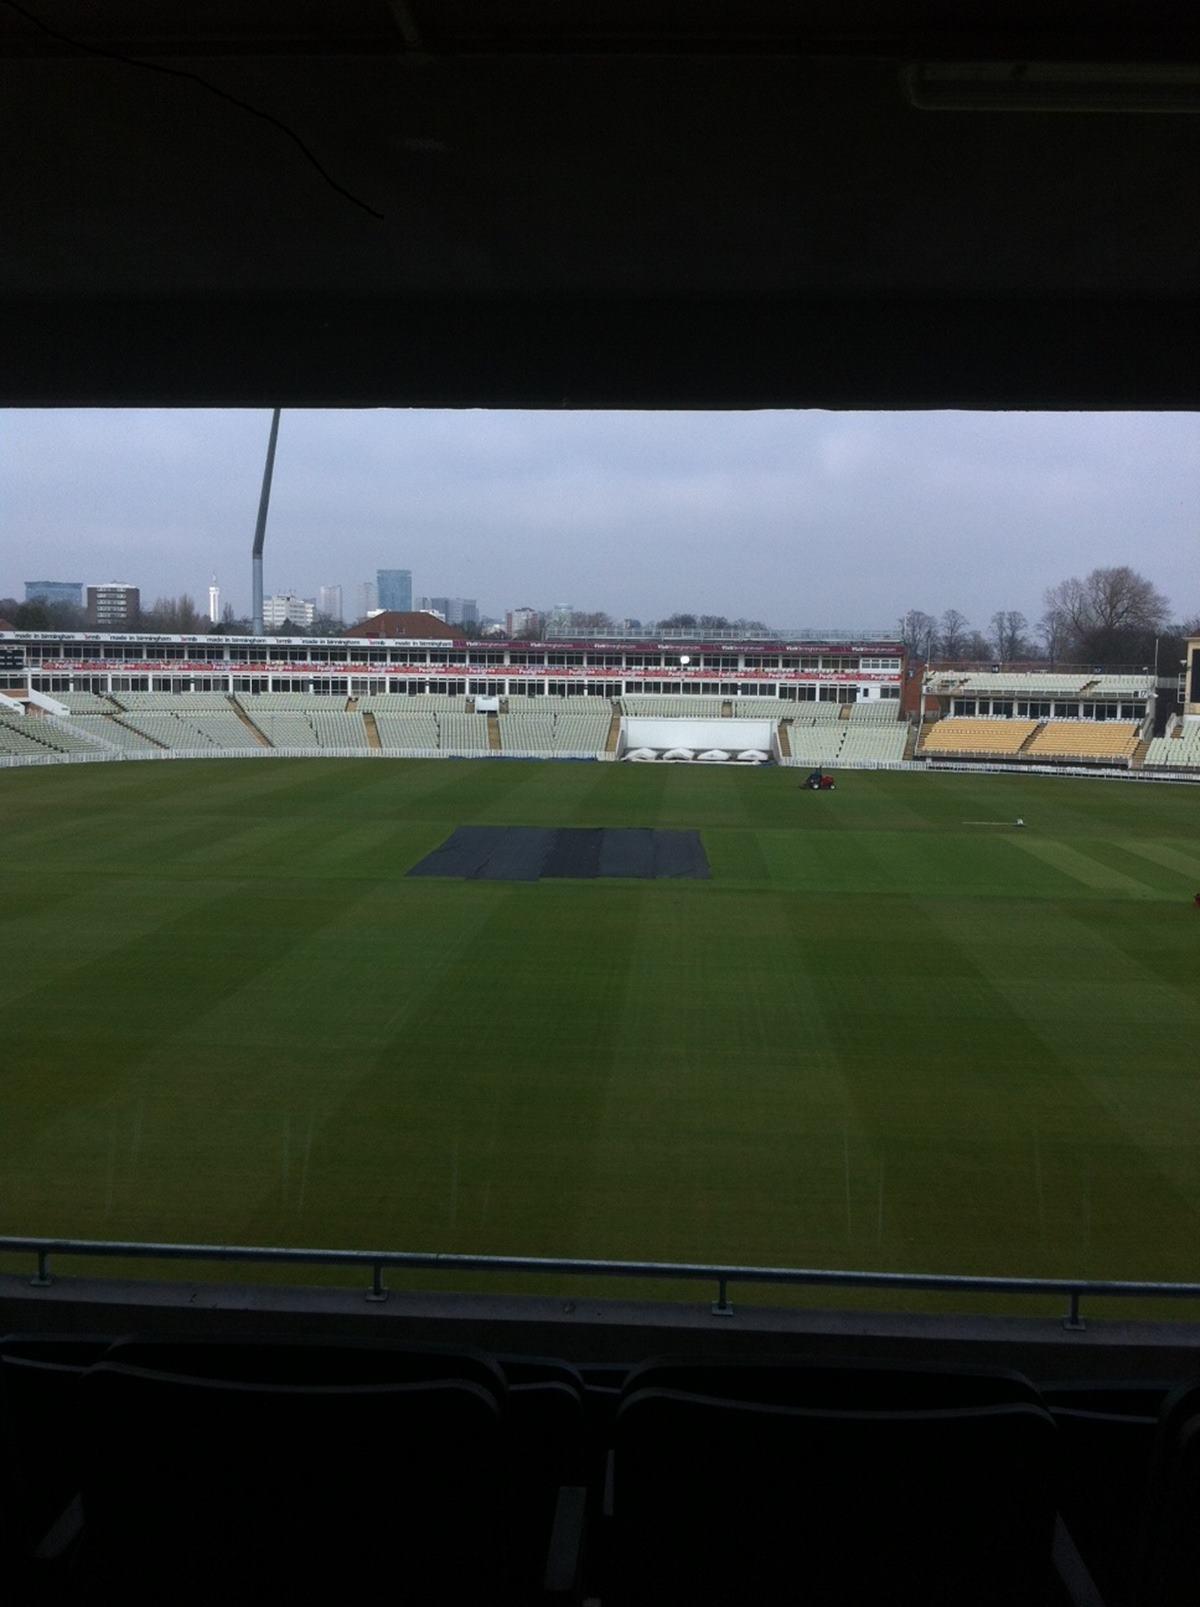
column 136, row 756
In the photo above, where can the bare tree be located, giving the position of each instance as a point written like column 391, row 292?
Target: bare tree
column 1055, row 631
column 596, row 620
column 952, row 634
column 917, row 632
column 1008, row 634
column 1112, row 615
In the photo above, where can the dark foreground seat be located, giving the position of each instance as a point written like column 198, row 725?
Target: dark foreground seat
column 200, row 1489
column 1170, row 1565
column 831, row 1485
column 39, row 1433
column 1107, row 1435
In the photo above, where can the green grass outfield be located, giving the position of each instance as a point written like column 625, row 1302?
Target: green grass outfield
column 886, row 1034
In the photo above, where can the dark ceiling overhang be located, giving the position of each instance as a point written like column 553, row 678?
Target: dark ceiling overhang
column 461, row 203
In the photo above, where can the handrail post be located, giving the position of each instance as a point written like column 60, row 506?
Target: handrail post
column 721, row 1306
column 43, row 1279
column 377, row 1291
column 1073, row 1321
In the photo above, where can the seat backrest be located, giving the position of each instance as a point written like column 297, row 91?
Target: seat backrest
column 299, row 1362
column 814, row 1383
column 717, row 1501
column 190, row 1483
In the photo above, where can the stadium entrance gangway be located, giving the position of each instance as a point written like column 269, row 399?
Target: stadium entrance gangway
column 722, row 1275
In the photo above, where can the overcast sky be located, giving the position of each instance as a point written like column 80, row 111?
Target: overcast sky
column 800, row 519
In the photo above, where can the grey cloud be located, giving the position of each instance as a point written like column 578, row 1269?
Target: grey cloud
column 800, row 518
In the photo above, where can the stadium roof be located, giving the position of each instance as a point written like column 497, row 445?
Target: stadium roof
column 862, row 203
column 396, row 625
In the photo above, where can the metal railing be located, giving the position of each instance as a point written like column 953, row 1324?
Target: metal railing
column 722, row 1276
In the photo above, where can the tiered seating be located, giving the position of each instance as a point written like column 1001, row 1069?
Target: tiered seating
column 762, row 708
column 1120, row 685
column 1080, row 739
column 817, row 744
column 286, row 730
column 676, row 1481
column 816, row 713
column 84, row 702
column 416, row 703
column 961, row 735
column 172, row 702
column 15, row 744
column 339, row 730
column 528, row 731
column 873, row 744
column 1182, row 752
column 28, row 737
column 114, row 731
column 287, row 702
column 463, row 731
column 673, row 708
column 582, row 732
column 885, row 711
column 407, row 731
column 194, row 736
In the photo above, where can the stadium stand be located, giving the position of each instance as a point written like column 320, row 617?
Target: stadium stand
column 884, row 712
column 86, row 702
column 172, row 702
column 817, row 744
column 959, row 734
column 874, row 744
column 761, row 708
column 416, row 702
column 286, row 729
column 1110, row 740
column 110, row 729
column 287, row 702
column 27, row 737
column 529, row 731
column 674, row 708
column 582, row 731
column 816, row 713
column 1177, row 752
column 586, row 1480
column 339, row 730
column 463, row 732
column 416, row 732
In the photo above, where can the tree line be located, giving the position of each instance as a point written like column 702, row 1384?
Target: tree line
column 1110, row 617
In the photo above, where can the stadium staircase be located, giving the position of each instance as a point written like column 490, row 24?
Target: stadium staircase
column 373, row 740
column 614, row 732
column 1031, row 738
column 493, row 730
column 258, row 736
column 727, row 710
column 1138, row 756
column 846, row 710
column 910, row 742
column 785, row 746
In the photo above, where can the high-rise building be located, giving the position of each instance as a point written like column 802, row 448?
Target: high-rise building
column 287, row 609
column 522, row 621
column 54, row 591
column 214, row 603
column 394, row 590
column 367, row 594
column 113, row 606
column 454, row 610
column 329, row 602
